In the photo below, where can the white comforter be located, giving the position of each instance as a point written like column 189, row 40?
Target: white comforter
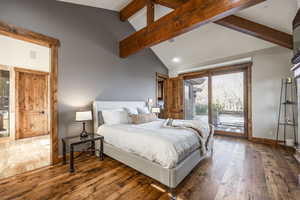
column 165, row 146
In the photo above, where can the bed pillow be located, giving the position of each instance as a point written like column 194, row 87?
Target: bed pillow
column 143, row 118
column 143, row 110
column 131, row 111
column 112, row 117
column 100, row 116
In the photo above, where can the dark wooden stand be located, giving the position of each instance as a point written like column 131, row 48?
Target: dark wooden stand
column 71, row 142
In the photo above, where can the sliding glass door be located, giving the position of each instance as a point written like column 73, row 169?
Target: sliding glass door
column 219, row 97
column 228, row 102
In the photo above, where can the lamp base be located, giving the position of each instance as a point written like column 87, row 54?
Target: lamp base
column 84, row 134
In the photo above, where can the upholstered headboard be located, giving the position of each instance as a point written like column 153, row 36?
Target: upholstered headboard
column 104, row 105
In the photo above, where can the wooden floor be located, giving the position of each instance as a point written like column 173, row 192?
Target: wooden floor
column 239, row 170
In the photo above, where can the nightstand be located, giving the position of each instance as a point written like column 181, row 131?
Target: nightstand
column 74, row 141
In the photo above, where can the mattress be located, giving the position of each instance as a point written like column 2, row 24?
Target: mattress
column 165, row 146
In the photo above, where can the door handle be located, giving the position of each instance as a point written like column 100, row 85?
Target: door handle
column 42, row 112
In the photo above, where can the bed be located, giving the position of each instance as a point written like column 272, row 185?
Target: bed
column 169, row 170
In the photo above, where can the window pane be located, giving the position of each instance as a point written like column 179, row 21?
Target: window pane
column 228, row 102
column 196, row 99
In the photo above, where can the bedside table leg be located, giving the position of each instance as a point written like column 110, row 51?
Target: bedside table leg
column 71, row 158
column 93, row 148
column 101, row 150
column 64, row 153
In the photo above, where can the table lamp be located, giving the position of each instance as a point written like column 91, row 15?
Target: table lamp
column 83, row 116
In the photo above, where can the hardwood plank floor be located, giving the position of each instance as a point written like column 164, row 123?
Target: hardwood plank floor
column 239, row 170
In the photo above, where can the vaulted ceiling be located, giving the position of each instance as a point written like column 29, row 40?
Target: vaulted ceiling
column 212, row 41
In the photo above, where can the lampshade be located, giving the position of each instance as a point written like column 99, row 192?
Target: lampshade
column 155, row 110
column 84, row 116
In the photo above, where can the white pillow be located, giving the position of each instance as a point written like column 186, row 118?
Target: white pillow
column 131, row 111
column 112, row 117
column 143, row 110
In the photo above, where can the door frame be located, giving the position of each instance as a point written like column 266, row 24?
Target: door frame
column 52, row 43
column 164, row 77
column 159, row 76
column 29, row 71
column 247, row 69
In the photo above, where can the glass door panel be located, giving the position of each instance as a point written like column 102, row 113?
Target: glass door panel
column 228, row 102
column 4, row 103
column 196, row 99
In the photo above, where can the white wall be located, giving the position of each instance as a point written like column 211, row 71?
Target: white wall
column 269, row 67
column 23, row 54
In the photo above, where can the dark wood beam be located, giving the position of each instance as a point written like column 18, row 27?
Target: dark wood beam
column 245, row 26
column 190, row 15
column 170, row 3
column 132, row 8
column 150, row 12
column 257, row 30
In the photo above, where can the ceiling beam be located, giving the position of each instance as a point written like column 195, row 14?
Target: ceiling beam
column 132, row 8
column 150, row 12
column 245, row 26
column 190, row 15
column 257, row 30
column 170, row 3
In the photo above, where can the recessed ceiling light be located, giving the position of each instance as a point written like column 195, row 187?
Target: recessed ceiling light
column 176, row 59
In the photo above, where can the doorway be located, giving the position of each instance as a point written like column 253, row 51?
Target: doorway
column 160, row 83
column 228, row 110
column 220, row 97
column 24, row 120
column 53, row 44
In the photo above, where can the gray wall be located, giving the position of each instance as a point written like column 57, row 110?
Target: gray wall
column 89, row 65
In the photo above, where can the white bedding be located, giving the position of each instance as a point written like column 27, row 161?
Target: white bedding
column 165, row 146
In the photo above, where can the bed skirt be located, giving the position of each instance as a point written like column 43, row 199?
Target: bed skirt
column 168, row 177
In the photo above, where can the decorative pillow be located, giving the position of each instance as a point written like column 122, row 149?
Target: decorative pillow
column 143, row 110
column 112, row 117
column 143, row 118
column 100, row 118
column 131, row 111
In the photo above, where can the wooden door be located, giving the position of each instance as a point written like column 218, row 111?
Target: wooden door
column 31, row 103
column 174, row 98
